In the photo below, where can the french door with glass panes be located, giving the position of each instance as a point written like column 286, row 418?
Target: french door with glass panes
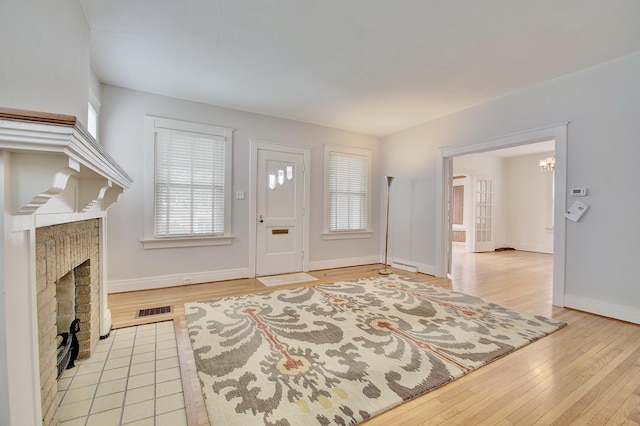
column 483, row 215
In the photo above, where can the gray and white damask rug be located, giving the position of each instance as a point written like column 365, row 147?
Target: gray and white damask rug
column 342, row 353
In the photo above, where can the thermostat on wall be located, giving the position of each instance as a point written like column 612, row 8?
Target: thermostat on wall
column 578, row 192
column 576, row 211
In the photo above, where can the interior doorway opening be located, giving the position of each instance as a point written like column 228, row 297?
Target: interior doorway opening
column 502, row 200
column 445, row 173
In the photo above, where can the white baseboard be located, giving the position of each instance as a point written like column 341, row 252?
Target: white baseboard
column 624, row 313
column 342, row 263
column 368, row 260
column 174, row 280
column 148, row 283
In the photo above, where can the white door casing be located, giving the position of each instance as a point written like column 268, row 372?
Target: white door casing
column 448, row 174
column 281, row 227
column 557, row 132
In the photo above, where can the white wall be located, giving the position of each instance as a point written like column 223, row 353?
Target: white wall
column 45, row 67
column 528, row 204
column 45, row 57
column 601, row 104
column 122, row 134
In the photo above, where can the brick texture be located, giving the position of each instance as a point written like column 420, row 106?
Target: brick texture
column 63, row 252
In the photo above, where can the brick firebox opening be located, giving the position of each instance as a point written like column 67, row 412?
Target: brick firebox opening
column 66, row 254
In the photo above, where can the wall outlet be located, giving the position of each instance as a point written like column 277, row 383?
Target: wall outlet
column 187, row 280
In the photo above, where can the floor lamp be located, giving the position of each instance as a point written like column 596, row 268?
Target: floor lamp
column 387, row 270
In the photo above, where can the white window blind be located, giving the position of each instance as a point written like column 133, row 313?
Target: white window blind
column 189, row 184
column 348, row 192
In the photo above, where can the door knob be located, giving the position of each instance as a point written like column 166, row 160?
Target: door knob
column 261, row 219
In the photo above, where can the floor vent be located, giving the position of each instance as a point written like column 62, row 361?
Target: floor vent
column 154, row 311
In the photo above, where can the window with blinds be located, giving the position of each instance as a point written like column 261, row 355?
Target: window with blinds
column 189, row 184
column 348, row 188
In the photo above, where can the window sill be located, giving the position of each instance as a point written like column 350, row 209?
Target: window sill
column 346, row 235
column 160, row 243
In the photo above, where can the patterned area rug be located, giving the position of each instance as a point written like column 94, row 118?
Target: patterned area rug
column 342, row 353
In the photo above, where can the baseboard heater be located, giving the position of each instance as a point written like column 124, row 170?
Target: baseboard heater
column 404, row 266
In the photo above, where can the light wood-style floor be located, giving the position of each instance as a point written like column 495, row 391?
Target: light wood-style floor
column 587, row 373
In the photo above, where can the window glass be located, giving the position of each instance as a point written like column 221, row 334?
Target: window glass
column 348, row 189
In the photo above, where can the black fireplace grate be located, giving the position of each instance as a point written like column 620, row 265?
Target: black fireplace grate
column 154, row 311
column 68, row 348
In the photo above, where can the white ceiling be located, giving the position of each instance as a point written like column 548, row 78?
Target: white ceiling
column 370, row 66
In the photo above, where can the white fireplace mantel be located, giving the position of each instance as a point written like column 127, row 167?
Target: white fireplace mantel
column 51, row 172
column 57, row 159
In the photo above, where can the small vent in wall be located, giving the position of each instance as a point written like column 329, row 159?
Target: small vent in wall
column 154, row 311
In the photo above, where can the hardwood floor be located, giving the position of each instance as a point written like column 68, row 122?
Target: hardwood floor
column 587, row 373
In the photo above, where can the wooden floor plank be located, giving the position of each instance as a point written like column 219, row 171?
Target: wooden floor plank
column 586, row 373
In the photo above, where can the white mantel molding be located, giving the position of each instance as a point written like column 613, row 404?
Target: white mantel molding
column 53, row 155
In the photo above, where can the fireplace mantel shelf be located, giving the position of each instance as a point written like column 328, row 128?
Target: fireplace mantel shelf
column 56, row 165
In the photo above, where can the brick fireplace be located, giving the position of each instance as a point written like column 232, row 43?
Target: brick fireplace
column 68, row 287
column 57, row 184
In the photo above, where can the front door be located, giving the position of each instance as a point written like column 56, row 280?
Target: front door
column 280, row 209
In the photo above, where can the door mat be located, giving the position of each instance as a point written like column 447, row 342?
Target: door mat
column 276, row 280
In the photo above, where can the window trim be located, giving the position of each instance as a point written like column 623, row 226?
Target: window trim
column 152, row 124
column 327, row 234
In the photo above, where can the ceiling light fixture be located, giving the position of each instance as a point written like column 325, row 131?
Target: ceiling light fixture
column 548, row 164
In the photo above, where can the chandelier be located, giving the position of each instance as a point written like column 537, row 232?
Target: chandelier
column 548, row 164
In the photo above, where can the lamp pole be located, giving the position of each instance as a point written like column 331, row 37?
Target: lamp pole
column 386, row 270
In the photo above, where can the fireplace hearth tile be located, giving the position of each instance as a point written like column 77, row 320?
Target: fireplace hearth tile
column 114, row 386
column 115, row 374
column 146, row 367
column 117, row 363
column 137, row 395
column 174, row 418
column 138, row 411
column 92, row 368
column 119, row 353
column 141, row 349
column 107, row 402
column 84, row 380
column 77, row 395
column 75, row 410
column 152, row 397
column 143, row 357
column 169, row 388
column 111, row 417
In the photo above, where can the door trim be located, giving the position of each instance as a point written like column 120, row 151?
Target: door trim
column 558, row 132
column 254, row 146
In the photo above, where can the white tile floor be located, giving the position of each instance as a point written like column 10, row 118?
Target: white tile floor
column 132, row 378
